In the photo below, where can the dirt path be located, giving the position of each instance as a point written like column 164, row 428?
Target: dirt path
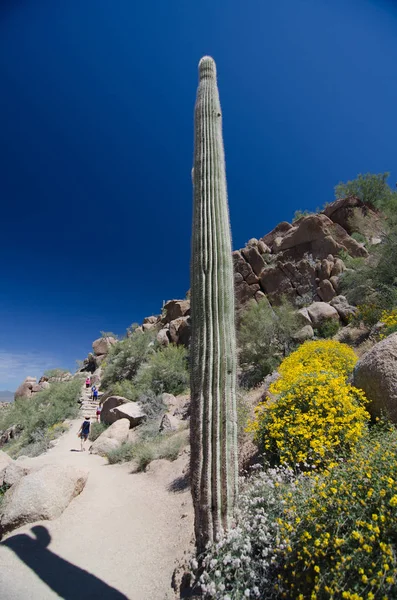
column 126, row 530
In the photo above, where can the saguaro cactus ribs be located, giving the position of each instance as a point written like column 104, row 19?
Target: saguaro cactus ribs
column 213, row 344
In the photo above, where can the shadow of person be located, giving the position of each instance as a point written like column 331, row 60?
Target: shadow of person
column 67, row 580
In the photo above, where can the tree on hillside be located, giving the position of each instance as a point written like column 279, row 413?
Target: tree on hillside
column 371, row 189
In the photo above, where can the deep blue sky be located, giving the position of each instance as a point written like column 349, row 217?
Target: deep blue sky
column 96, row 111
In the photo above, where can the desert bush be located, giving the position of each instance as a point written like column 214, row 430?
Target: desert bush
column 338, row 538
column 125, row 388
column 50, row 373
column 144, row 451
column 369, row 188
column 265, row 338
column 164, row 371
column 241, row 565
column 96, row 429
column 327, row 329
column 39, row 414
column 319, row 536
column 317, row 415
column 126, row 356
column 152, row 404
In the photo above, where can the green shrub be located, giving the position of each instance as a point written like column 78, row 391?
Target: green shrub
column 39, row 415
column 371, row 189
column 126, row 356
column 153, row 447
column 125, row 388
column 265, row 338
column 95, row 430
column 3, row 489
column 50, row 373
column 164, row 371
column 124, row 453
column 328, row 328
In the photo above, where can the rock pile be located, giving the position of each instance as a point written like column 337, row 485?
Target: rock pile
column 29, row 387
column 295, row 261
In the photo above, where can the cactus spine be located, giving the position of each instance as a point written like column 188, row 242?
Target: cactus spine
column 213, row 344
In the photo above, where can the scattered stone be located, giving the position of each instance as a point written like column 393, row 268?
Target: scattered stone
column 325, row 290
column 42, row 494
column 168, row 423
column 306, row 333
column 320, row 312
column 345, row 310
column 304, row 316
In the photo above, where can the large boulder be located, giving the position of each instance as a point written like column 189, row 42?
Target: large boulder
column 345, row 310
column 320, row 312
column 319, row 236
column 13, row 473
column 242, row 267
column 112, row 438
column 180, row 331
column 26, row 387
column 253, row 257
column 5, row 461
column 102, row 345
column 107, row 416
column 163, row 337
column 43, row 494
column 131, row 411
column 342, row 210
column 173, row 309
column 376, row 374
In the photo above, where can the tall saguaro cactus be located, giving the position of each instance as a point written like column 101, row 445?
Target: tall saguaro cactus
column 213, row 344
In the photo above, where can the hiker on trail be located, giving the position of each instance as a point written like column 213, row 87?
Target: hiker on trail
column 87, row 382
column 98, row 413
column 84, row 432
column 93, row 388
column 95, row 393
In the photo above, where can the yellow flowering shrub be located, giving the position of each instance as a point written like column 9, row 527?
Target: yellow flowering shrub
column 339, row 529
column 315, row 357
column 317, row 414
column 389, row 319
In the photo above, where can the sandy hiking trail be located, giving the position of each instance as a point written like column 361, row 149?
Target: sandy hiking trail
column 119, row 539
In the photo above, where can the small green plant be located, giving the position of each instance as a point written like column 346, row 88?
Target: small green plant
column 52, row 373
column 328, row 328
column 265, row 338
column 298, row 214
column 95, row 430
column 145, row 450
column 164, row 371
column 41, row 416
column 370, row 188
column 125, row 357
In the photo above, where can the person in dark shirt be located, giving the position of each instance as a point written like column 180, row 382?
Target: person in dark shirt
column 84, row 432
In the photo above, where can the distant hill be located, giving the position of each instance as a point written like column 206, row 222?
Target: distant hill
column 6, row 396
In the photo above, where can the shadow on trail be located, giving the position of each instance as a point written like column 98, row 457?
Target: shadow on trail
column 67, row 580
